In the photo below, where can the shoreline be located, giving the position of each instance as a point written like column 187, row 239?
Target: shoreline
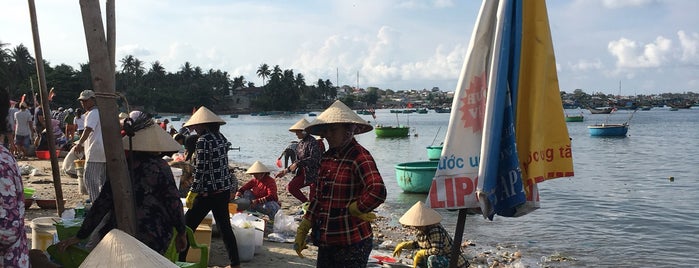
column 387, row 233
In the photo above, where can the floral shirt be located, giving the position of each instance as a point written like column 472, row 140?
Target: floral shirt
column 14, row 251
column 347, row 174
column 264, row 190
column 212, row 173
column 157, row 201
column 308, row 155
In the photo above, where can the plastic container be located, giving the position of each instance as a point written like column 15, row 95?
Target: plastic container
column 245, row 238
column 67, row 228
column 29, row 193
column 44, row 232
column 232, row 208
column 44, row 155
column 177, row 173
column 79, row 163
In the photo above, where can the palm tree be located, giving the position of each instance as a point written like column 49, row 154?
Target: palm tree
column 264, row 72
column 4, row 66
column 22, row 67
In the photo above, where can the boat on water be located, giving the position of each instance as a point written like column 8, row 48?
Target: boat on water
column 442, row 110
column 575, row 118
column 601, row 110
column 383, row 131
column 608, row 130
column 177, row 118
column 416, row 177
column 234, row 116
column 434, row 152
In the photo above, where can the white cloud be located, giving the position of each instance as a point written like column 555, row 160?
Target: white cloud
column 629, row 54
column 689, row 43
column 584, row 65
column 625, row 3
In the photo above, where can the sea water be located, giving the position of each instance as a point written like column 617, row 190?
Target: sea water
column 621, row 209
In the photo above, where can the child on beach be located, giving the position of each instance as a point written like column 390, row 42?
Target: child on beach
column 261, row 190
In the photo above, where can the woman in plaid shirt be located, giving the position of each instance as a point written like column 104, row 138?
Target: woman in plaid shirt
column 348, row 188
column 213, row 182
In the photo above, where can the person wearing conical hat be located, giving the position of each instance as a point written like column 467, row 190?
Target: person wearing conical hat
column 213, row 182
column 433, row 242
column 306, row 165
column 348, row 189
column 261, row 190
column 156, row 197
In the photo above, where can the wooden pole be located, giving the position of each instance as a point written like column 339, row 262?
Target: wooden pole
column 459, row 233
column 103, row 81
column 111, row 33
column 51, row 141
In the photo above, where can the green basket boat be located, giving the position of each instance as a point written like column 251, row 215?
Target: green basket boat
column 416, row 177
column 434, row 152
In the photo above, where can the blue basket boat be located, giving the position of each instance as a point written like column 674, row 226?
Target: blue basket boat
column 416, row 177
column 434, row 152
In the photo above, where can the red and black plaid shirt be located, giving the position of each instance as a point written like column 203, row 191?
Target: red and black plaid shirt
column 346, row 175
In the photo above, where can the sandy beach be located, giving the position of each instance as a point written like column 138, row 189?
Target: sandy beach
column 272, row 253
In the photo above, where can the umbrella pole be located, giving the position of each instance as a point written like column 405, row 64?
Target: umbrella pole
column 459, row 233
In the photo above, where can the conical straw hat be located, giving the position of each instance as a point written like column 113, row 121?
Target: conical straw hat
column 118, row 249
column 202, row 116
column 338, row 112
column 151, row 139
column 258, row 167
column 420, row 215
column 300, row 125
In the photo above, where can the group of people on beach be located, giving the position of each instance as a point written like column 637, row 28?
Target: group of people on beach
column 345, row 187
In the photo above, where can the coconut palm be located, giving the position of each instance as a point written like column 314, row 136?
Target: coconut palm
column 264, row 72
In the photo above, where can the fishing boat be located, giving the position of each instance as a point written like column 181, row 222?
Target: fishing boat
column 176, row 118
column 416, row 177
column 391, row 131
column 601, row 110
column 442, row 110
column 434, row 152
column 608, row 130
column 575, row 118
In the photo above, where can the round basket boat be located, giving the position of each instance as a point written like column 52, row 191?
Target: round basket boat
column 434, row 152
column 416, row 177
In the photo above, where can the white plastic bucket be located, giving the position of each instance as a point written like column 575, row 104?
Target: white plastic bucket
column 259, row 233
column 43, row 232
column 246, row 242
column 177, row 173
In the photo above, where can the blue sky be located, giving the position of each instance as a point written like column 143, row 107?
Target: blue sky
column 650, row 46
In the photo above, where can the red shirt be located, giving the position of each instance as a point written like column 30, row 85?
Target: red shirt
column 264, row 190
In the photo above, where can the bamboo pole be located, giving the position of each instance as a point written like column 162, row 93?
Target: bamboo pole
column 103, row 81
column 55, row 171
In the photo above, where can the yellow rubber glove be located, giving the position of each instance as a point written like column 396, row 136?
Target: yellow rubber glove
column 420, row 256
column 301, row 234
column 401, row 246
column 369, row 216
column 189, row 200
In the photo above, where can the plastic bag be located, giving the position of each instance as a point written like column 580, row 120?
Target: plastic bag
column 284, row 224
